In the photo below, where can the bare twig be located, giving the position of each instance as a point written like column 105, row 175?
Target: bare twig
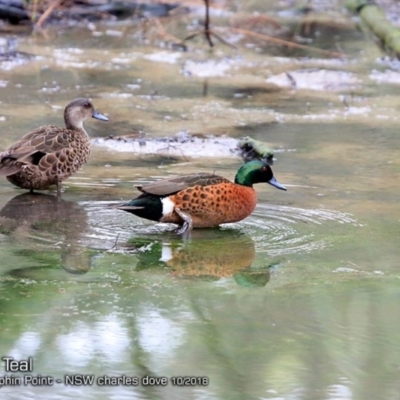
column 115, row 243
column 211, row 33
column 164, row 33
column 47, row 12
column 207, row 31
column 287, row 43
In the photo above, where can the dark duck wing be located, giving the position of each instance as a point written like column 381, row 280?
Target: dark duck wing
column 167, row 187
column 33, row 147
column 148, row 204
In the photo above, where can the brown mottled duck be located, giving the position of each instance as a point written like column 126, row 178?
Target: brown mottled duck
column 49, row 154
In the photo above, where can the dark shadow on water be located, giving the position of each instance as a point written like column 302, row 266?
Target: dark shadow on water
column 209, row 255
column 46, row 230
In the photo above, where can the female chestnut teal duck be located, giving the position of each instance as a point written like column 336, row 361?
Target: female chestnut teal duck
column 202, row 200
column 50, row 154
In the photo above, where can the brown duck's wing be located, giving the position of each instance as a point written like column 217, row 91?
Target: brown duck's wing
column 170, row 186
column 44, row 140
column 33, row 146
column 9, row 167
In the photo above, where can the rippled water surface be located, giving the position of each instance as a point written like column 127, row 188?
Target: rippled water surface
column 298, row 301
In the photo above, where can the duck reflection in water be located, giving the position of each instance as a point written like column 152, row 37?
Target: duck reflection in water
column 42, row 222
column 214, row 254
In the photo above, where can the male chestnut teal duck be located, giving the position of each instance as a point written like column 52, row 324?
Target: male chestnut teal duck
column 202, row 200
column 50, row 154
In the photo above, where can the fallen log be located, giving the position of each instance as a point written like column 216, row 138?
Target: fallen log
column 375, row 19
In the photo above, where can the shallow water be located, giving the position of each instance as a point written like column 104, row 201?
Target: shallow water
column 298, row 301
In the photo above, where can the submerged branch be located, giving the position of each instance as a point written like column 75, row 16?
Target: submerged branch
column 287, row 43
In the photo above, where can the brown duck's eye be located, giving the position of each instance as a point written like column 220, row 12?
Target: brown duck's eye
column 86, row 105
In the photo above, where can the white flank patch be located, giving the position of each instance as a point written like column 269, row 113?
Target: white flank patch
column 168, row 206
column 166, row 253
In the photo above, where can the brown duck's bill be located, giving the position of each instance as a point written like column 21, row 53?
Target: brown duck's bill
column 99, row 116
column 275, row 183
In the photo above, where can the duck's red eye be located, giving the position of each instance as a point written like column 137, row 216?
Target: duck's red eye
column 264, row 169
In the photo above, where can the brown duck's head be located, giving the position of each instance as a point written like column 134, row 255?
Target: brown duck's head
column 79, row 110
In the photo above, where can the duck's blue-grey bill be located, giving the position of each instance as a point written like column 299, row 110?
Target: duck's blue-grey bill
column 275, row 183
column 99, row 116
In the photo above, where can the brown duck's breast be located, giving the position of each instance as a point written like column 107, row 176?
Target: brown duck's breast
column 213, row 205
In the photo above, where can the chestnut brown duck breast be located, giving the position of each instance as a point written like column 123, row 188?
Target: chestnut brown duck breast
column 50, row 154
